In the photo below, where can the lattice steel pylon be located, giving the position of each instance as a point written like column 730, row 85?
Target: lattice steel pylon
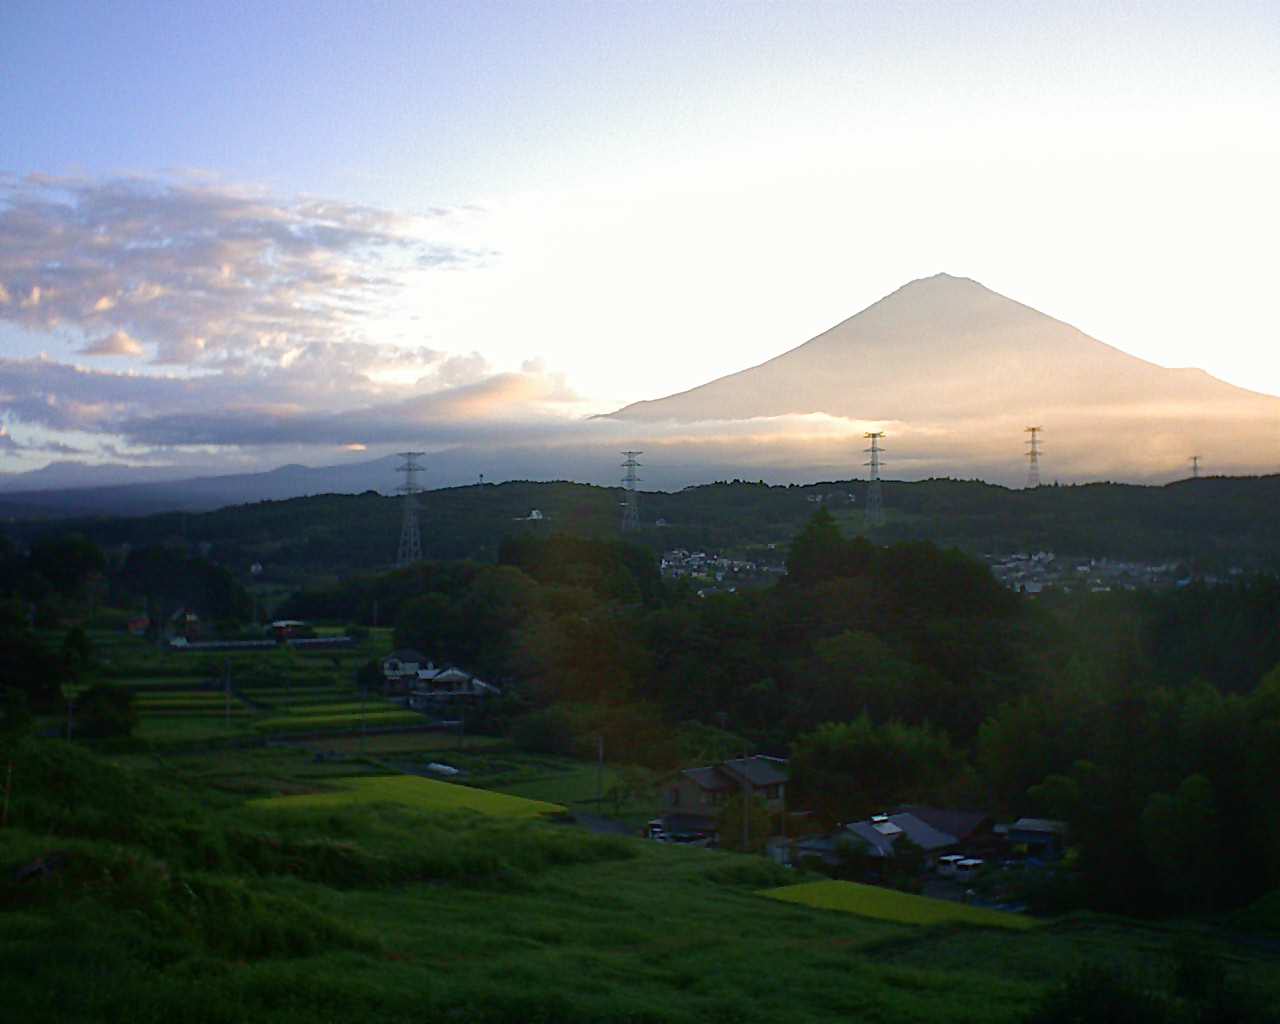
column 1195, row 467
column 630, row 499
column 1033, row 456
column 873, row 510
column 410, row 537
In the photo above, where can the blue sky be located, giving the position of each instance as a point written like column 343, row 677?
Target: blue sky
column 570, row 206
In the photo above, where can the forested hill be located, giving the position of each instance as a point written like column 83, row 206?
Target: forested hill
column 1214, row 523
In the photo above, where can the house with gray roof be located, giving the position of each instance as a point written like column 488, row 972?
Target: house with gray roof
column 695, row 796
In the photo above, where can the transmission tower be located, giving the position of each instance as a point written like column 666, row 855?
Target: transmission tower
column 1195, row 467
column 630, row 499
column 410, row 537
column 1033, row 456
column 873, row 511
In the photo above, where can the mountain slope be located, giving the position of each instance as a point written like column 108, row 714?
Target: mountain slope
column 953, row 372
column 948, row 347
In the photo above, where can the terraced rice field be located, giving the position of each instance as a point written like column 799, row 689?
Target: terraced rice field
column 347, row 720
column 890, row 905
column 198, row 704
column 418, row 793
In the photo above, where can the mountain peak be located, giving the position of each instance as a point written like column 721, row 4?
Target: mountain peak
column 945, row 355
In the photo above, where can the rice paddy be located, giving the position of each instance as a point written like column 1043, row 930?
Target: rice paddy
column 416, row 793
column 890, row 905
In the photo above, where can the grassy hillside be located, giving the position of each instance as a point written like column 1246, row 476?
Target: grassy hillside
column 134, row 890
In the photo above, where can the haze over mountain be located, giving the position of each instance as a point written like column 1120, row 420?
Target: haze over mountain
column 948, row 367
column 950, row 370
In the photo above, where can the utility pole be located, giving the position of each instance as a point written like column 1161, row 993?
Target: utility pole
column 1195, row 467
column 873, row 511
column 410, row 550
column 630, row 499
column 1033, row 456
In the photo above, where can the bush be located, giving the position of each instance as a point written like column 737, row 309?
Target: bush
column 544, row 732
column 105, row 711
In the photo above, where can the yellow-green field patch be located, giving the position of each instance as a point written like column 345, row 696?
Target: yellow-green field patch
column 418, row 793
column 307, row 723
column 890, row 905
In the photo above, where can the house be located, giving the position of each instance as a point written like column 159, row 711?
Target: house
column 400, row 669
column 968, row 827
column 442, row 684
column 1042, row 837
column 693, row 797
column 878, row 834
column 185, row 623
column 287, row 629
column 881, row 831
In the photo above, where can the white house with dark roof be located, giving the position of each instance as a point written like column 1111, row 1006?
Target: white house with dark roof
column 400, row 669
column 437, row 684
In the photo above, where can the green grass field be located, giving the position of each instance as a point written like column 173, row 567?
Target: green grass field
column 194, row 728
column 410, row 744
column 341, row 706
column 419, row 794
column 890, row 905
column 559, row 780
column 147, row 699
column 184, row 897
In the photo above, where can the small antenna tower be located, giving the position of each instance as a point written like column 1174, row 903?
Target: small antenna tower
column 873, row 511
column 410, row 537
column 1195, row 467
column 1033, row 456
column 630, row 499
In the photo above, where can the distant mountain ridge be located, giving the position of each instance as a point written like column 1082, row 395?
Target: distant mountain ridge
column 199, row 493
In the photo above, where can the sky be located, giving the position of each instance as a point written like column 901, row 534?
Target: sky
column 238, row 234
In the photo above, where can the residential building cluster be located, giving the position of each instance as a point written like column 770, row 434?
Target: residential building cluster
column 717, row 572
column 1043, row 570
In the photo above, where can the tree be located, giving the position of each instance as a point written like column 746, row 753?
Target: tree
column 27, row 665
column 853, row 673
column 104, row 711
column 846, row 771
column 15, row 716
column 66, row 561
column 631, row 784
column 820, row 552
column 77, row 650
column 729, row 824
column 369, row 677
column 1180, row 834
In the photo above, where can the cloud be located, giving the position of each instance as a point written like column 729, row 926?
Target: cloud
column 8, row 446
column 58, row 448
column 117, row 343
column 211, row 275
column 305, row 404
